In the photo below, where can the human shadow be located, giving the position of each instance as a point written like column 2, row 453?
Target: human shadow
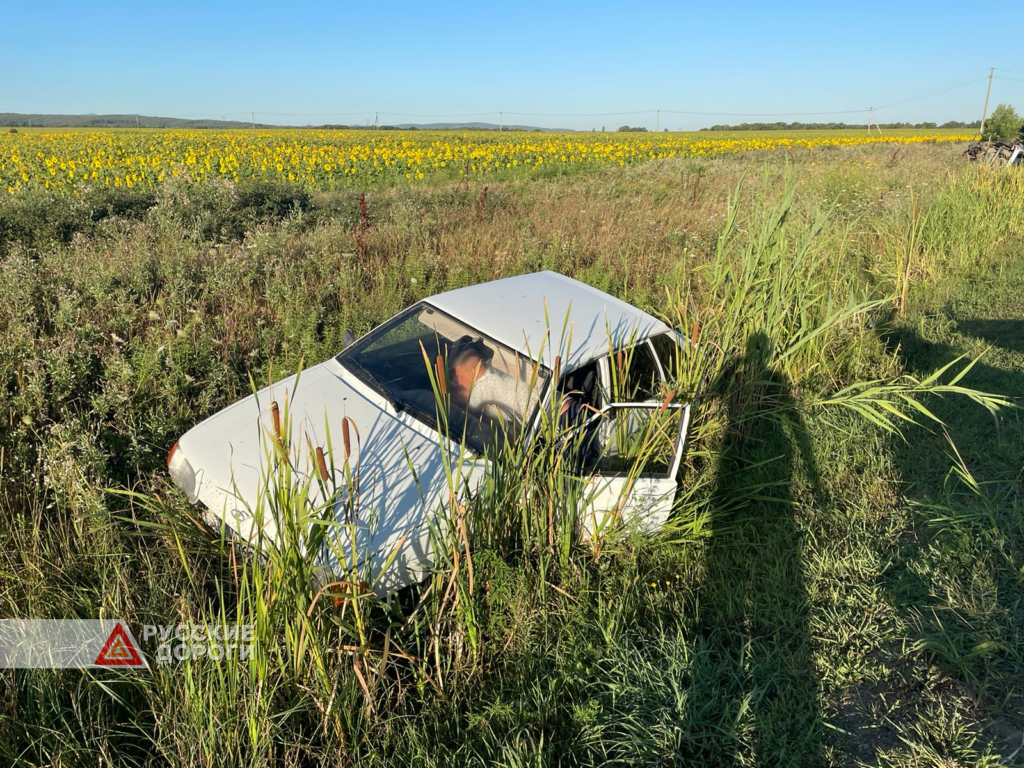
column 1005, row 333
column 753, row 698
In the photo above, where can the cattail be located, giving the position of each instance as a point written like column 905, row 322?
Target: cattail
column 321, row 464
column 364, row 212
column 364, row 225
column 442, row 384
column 275, row 415
column 668, row 399
column 346, row 438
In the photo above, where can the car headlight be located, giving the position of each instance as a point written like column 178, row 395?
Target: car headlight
column 182, row 473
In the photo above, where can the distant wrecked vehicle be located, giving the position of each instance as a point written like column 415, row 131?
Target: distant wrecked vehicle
column 1001, row 152
column 488, row 354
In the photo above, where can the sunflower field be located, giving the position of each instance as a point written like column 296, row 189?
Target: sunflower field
column 75, row 160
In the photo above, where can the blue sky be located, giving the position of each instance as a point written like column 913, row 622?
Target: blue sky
column 317, row 62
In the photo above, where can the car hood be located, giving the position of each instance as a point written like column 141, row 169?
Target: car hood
column 396, row 463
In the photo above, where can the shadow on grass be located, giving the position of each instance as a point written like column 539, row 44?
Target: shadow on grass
column 991, row 446
column 756, row 696
column 955, row 575
column 1006, row 334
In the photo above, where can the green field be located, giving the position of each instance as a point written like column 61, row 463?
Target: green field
column 843, row 581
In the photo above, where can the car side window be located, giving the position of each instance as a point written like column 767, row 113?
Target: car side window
column 669, row 355
column 632, row 438
column 634, row 376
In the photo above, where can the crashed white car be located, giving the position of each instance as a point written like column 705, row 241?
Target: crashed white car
column 501, row 356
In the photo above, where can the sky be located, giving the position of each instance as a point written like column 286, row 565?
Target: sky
column 540, row 63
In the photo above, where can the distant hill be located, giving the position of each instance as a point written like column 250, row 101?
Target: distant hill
column 17, row 120
column 835, row 126
column 478, row 127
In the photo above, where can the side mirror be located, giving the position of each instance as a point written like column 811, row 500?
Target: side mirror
column 348, row 338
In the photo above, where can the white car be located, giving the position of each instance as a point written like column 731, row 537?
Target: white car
column 517, row 334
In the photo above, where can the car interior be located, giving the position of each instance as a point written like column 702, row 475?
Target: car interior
column 583, row 384
column 393, row 358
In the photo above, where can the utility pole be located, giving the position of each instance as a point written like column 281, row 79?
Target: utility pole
column 873, row 121
column 500, row 121
column 657, row 121
column 137, row 121
column 376, row 123
column 254, row 121
column 984, row 112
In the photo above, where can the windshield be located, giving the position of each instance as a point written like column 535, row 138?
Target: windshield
column 491, row 389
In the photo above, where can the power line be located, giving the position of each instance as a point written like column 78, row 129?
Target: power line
column 581, row 114
column 305, row 114
column 360, row 114
column 765, row 114
column 836, row 112
column 656, row 112
column 933, row 93
column 492, row 113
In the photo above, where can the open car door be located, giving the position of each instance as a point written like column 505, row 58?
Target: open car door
column 636, row 450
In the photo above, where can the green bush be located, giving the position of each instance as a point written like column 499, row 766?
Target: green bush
column 37, row 219
column 218, row 211
column 1004, row 123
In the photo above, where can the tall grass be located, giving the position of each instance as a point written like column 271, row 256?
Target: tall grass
column 531, row 641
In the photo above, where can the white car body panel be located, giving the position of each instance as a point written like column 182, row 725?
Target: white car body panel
column 227, row 452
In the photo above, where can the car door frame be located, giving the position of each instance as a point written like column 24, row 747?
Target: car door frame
column 642, row 498
column 617, row 496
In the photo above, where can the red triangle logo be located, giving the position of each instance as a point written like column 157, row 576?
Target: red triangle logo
column 119, row 651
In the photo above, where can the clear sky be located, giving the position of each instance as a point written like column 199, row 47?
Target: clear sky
column 316, row 62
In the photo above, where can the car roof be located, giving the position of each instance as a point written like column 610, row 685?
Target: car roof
column 518, row 311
